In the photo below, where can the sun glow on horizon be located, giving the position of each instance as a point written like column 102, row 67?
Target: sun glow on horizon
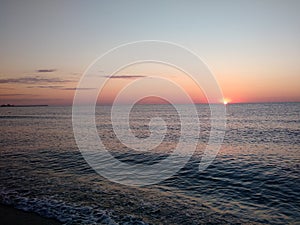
column 226, row 101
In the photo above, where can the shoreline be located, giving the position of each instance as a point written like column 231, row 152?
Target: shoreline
column 11, row 215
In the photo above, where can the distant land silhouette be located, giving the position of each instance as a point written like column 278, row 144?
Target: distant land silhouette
column 10, row 105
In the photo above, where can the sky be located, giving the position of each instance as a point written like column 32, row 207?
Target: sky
column 251, row 47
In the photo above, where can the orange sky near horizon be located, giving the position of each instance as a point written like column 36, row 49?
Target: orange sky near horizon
column 234, row 88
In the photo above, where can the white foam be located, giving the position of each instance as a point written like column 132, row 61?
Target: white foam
column 66, row 213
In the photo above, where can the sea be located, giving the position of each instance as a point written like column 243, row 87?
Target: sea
column 254, row 178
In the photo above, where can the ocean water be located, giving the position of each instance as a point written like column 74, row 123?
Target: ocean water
column 254, row 178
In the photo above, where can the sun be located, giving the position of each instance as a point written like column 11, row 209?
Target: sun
column 226, row 101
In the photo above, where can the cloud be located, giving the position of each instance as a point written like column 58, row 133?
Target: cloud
column 60, row 87
column 47, row 86
column 72, row 89
column 13, row 95
column 45, row 70
column 33, row 80
column 7, row 88
column 125, row 76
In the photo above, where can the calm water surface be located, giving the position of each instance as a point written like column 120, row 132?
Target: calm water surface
column 254, row 179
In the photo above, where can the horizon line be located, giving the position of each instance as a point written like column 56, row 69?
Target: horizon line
column 108, row 104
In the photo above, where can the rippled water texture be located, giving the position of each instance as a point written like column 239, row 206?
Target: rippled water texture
column 254, row 179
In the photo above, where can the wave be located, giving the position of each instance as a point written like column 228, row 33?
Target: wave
column 66, row 213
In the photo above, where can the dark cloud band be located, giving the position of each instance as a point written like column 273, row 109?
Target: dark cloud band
column 33, row 80
column 46, row 70
column 125, row 76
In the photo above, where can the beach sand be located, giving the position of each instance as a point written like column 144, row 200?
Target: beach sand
column 12, row 216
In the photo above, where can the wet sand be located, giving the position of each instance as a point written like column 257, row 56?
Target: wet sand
column 12, row 216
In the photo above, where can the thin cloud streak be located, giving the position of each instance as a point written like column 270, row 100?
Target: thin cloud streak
column 42, row 86
column 61, row 88
column 73, row 89
column 46, row 70
column 33, row 80
column 13, row 95
column 125, row 76
column 7, row 88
